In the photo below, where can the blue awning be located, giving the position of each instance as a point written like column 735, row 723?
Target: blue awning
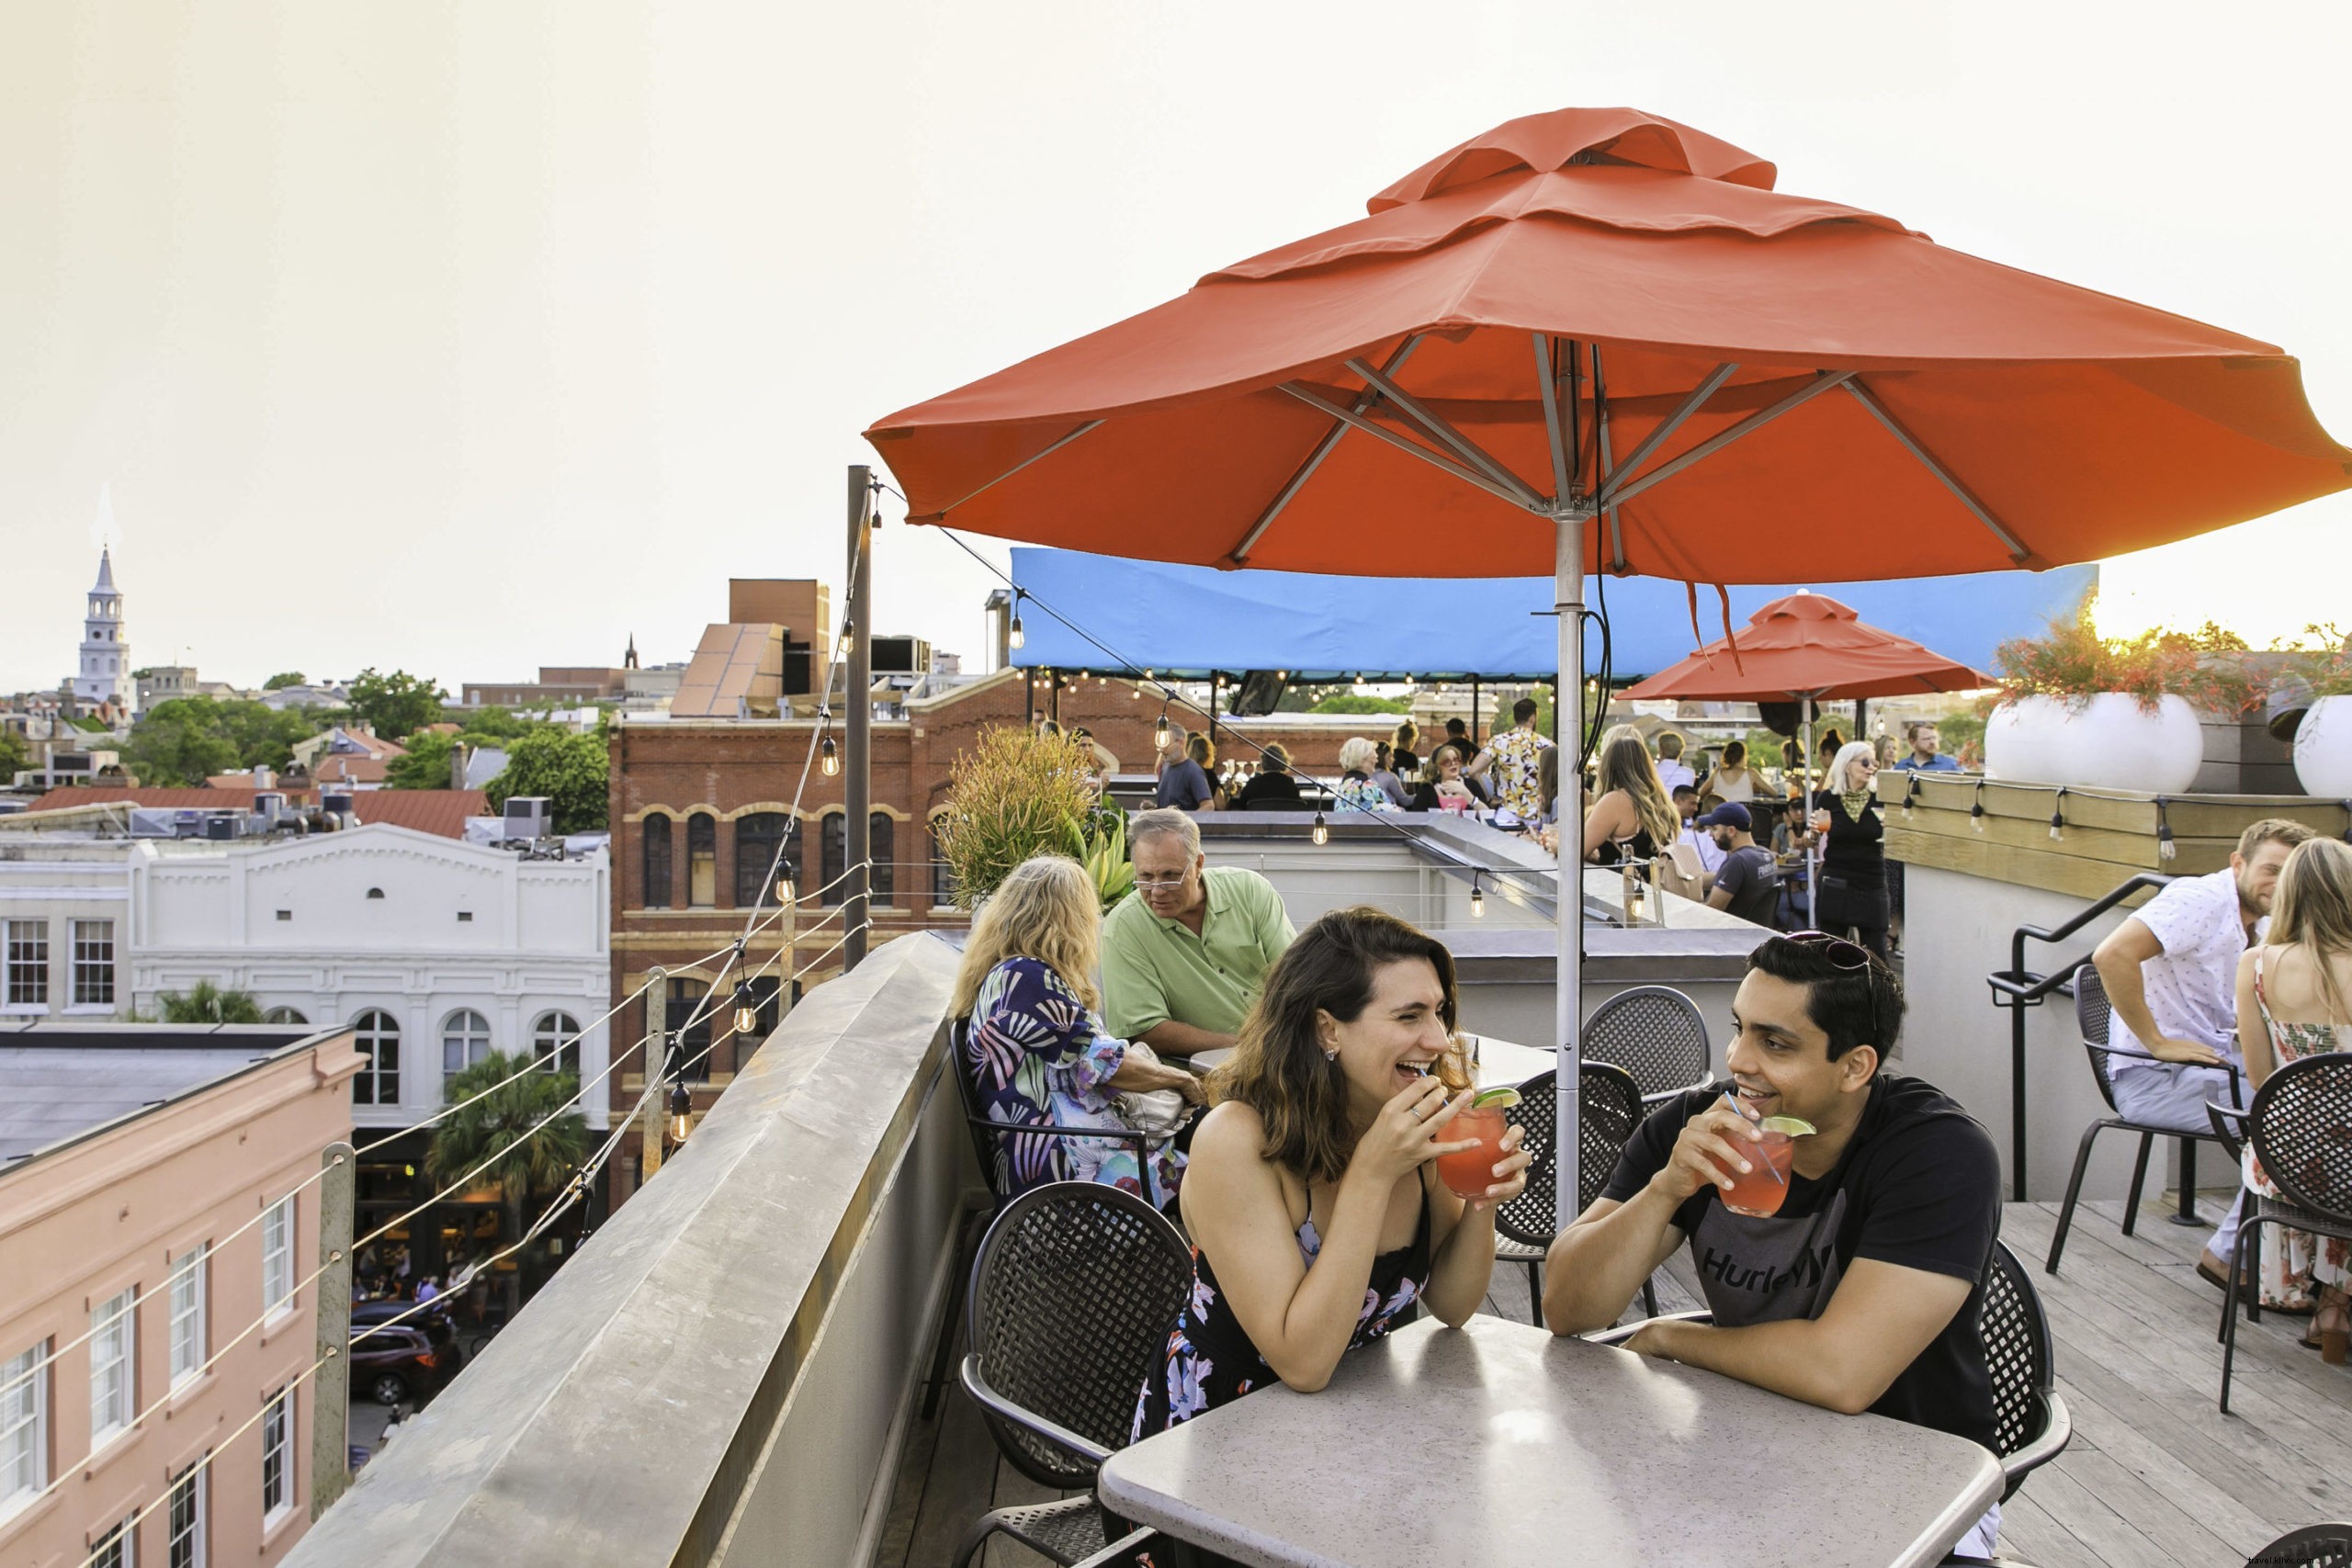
column 1189, row 621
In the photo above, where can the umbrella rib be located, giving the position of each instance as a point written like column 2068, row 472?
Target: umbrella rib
column 1554, row 432
column 1434, row 458
column 1634, row 459
column 1016, row 468
column 1716, row 442
column 1470, row 451
column 1239, row 554
column 1601, row 464
column 2018, row 554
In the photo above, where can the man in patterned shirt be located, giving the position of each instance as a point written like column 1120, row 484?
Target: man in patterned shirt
column 1510, row 759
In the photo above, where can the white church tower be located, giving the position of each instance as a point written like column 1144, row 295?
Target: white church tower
column 105, row 675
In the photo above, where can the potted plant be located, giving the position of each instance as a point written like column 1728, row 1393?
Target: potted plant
column 1012, row 797
column 2079, row 709
column 2313, row 692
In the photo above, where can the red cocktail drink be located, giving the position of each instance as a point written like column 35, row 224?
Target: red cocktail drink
column 1469, row 1172
column 1762, row 1190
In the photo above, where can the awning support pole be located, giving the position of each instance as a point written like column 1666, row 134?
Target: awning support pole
column 1567, row 1003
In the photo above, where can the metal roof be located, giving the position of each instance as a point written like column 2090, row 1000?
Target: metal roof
column 61, row 1082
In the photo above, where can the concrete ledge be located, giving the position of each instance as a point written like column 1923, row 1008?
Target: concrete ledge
column 623, row 1418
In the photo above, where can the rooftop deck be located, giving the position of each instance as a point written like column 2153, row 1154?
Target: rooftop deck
column 2155, row 1473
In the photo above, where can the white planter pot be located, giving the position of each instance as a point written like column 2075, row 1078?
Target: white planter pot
column 2324, row 749
column 2107, row 741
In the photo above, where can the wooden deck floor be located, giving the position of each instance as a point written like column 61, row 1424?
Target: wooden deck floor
column 2155, row 1477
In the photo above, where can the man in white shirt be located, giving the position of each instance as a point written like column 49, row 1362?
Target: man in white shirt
column 1671, row 770
column 1686, row 805
column 2171, row 976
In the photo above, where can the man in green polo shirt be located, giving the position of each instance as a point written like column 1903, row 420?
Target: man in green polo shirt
column 1183, row 959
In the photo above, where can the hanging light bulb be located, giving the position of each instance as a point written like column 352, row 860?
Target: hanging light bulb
column 828, row 758
column 1478, row 898
column 1322, row 833
column 1015, row 638
column 849, row 638
column 747, row 1008
column 682, row 1111
column 1159, row 730
column 1977, row 810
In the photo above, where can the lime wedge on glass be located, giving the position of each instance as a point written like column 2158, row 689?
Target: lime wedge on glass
column 1505, row 1097
column 1794, row 1126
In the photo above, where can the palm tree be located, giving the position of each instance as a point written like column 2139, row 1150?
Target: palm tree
column 495, row 1133
column 208, row 1003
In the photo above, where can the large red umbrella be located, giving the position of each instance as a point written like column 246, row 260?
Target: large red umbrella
column 1598, row 335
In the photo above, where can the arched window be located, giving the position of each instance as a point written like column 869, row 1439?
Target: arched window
column 465, row 1040
column 284, row 1015
column 657, row 863
column 832, row 857
column 693, row 1039
column 759, row 839
column 881, row 836
column 702, row 860
column 943, row 876
column 555, row 1043
column 378, row 1040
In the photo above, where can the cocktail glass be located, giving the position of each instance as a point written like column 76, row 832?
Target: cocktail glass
column 1467, row 1173
column 1762, row 1190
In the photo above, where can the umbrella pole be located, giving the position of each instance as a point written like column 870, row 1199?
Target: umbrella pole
column 1567, row 1004
column 1811, row 850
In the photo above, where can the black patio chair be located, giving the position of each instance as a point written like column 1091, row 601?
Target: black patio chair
column 1073, row 1294
column 1655, row 1032
column 2313, row 1546
column 1611, row 1107
column 2092, row 1015
column 991, row 1137
column 2300, row 1126
column 1134, row 1552
column 2031, row 1422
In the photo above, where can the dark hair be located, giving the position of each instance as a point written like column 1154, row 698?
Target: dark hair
column 1681, row 790
column 1830, row 740
column 1456, row 727
column 1278, row 1068
column 1734, row 754
column 1852, row 1006
column 1522, row 710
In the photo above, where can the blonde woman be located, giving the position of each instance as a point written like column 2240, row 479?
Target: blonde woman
column 1733, row 779
column 1852, row 892
column 1357, row 788
column 1035, row 1044
column 2295, row 1000
column 1633, row 819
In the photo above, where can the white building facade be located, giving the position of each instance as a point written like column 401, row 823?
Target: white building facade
column 104, row 671
column 437, row 952
column 64, row 916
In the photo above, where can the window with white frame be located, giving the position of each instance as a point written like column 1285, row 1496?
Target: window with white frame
column 94, row 964
column 278, row 1257
column 190, row 1276
column 114, row 1339
column 24, row 1428
column 377, row 1033
column 117, row 1548
column 465, row 1040
column 26, row 958
column 184, row 1542
column 278, row 1457
column 555, row 1043
column 285, row 1015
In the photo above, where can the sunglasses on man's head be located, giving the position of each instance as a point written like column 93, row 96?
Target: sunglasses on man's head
column 1846, row 955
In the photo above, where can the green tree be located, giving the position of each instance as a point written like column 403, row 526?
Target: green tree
column 398, row 705
column 571, row 771
column 15, row 755
column 426, row 766
column 278, row 682
column 501, row 1133
column 1347, row 702
column 180, row 743
column 206, row 1003
column 497, row 724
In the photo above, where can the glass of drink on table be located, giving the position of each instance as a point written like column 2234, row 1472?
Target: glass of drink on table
column 1760, row 1191
column 1467, row 1173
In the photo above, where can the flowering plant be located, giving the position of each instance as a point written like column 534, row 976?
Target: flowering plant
column 2073, row 662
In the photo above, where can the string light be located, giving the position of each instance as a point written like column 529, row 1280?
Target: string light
column 1014, row 636
column 849, row 639
column 2058, row 814
column 1977, row 810
column 747, row 1008
column 830, row 757
column 1159, row 730
column 682, row 1111
column 1322, row 830
column 1478, row 896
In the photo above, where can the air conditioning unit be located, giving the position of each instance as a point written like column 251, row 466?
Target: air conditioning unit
column 220, row 830
column 335, row 805
column 529, row 817
column 901, row 656
column 269, row 806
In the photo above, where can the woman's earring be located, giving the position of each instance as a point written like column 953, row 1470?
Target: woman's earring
column 1331, row 1053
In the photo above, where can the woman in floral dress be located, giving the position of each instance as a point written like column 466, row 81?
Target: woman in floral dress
column 2295, row 1000
column 1035, row 1045
column 1317, row 1218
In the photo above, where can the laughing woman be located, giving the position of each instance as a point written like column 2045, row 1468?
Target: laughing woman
column 1313, row 1200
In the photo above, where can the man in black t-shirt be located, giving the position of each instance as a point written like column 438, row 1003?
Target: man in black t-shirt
column 1747, row 883
column 1862, row 1292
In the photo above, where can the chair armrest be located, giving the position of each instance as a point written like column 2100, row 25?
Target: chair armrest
column 1134, row 1135
column 976, row 1384
column 1623, row 1332
column 2056, row 1432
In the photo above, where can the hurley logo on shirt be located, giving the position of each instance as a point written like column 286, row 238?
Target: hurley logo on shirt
column 1805, row 1273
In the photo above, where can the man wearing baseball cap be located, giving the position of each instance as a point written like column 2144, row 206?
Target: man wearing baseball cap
column 1748, row 884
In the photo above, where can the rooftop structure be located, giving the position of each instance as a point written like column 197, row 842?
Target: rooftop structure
column 104, row 673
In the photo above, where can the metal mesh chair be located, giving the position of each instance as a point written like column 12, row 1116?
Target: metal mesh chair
column 2092, row 1016
column 2300, row 1125
column 1655, row 1032
column 2313, row 1546
column 1134, row 1552
column 1072, row 1296
column 1611, row 1107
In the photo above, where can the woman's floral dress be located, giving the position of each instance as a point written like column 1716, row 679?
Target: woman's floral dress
column 1038, row 1055
column 1210, row 1359
column 1359, row 792
column 2300, row 1259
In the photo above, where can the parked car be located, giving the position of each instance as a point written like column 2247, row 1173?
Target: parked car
column 403, row 1362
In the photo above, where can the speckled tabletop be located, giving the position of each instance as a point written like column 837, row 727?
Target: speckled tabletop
column 1500, row 1444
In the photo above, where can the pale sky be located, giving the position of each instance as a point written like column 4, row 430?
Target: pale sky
column 467, row 338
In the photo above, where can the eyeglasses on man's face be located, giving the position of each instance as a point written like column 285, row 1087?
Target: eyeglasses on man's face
column 1155, row 882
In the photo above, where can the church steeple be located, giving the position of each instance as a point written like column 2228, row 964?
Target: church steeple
column 105, row 672
column 628, row 659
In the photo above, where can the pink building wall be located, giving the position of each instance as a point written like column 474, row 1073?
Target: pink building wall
column 119, row 1209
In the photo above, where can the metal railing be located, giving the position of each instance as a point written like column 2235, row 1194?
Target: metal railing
column 2017, row 988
